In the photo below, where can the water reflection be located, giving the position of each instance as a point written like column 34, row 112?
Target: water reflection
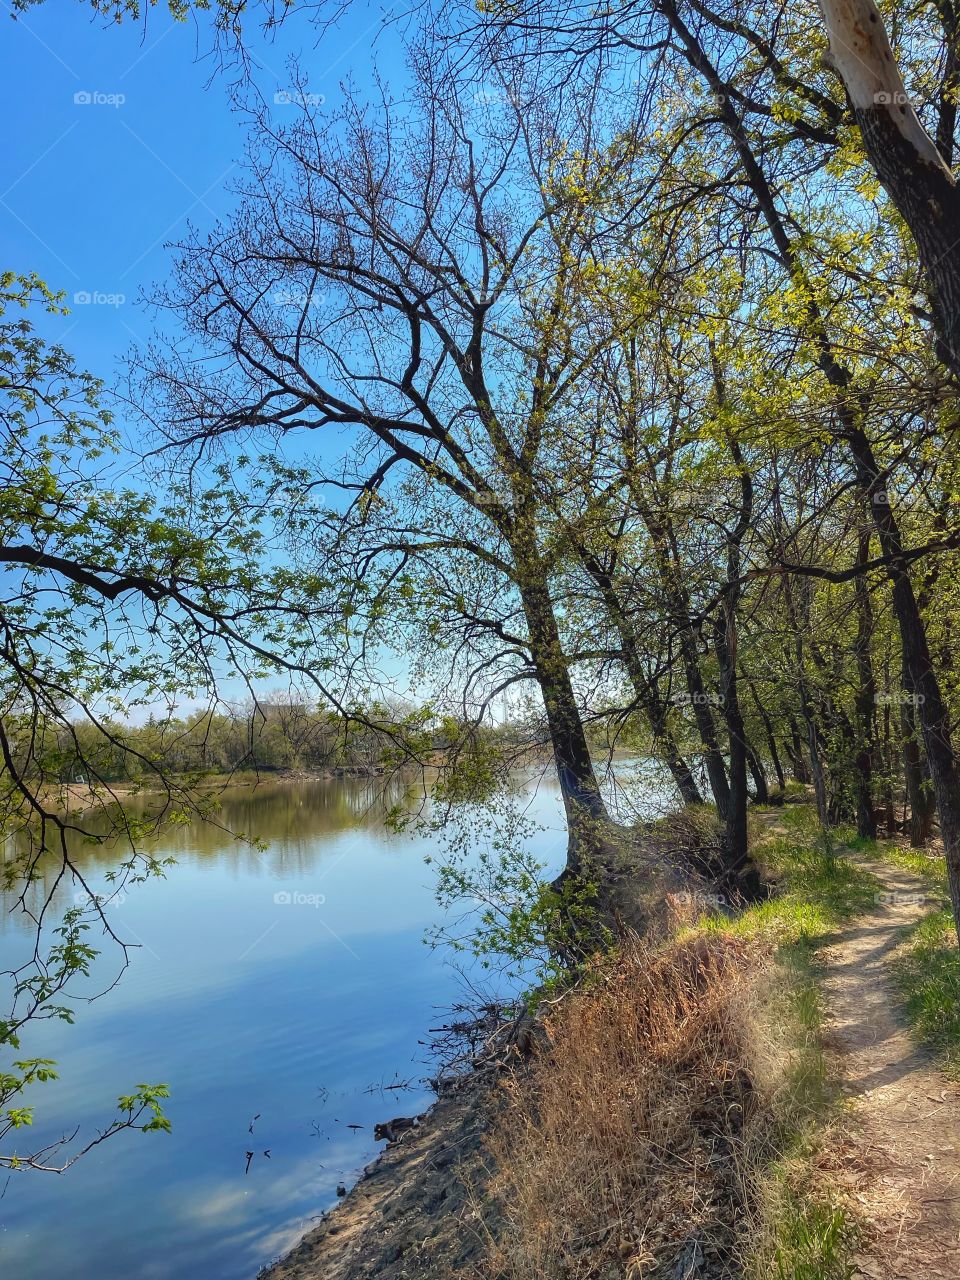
column 284, row 983
column 281, row 983
column 294, row 819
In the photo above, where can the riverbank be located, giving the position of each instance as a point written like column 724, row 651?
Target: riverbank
column 82, row 794
column 421, row 1208
column 432, row 1205
column 65, row 797
column 684, row 1112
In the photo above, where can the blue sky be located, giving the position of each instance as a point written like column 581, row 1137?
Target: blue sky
column 119, row 138
column 93, row 191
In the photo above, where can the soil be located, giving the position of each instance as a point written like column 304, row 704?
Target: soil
column 419, row 1210
column 904, row 1166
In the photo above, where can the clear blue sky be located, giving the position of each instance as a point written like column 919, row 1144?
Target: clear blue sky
column 92, row 191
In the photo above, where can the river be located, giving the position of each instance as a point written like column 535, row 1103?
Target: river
column 290, row 984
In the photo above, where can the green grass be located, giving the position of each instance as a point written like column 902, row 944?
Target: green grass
column 804, row 1236
column 927, row 971
column 800, row 1234
column 802, row 1230
column 816, row 1244
column 927, row 966
column 931, row 868
column 816, row 889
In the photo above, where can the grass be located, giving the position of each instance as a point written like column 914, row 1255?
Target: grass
column 799, row 1228
column 815, row 1244
column 620, row 1145
column 926, row 968
column 816, row 889
column 929, row 866
column 686, row 1096
column 927, row 972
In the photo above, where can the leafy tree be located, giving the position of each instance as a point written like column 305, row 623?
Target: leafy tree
column 113, row 599
column 388, row 311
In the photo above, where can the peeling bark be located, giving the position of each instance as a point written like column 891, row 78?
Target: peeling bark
column 906, row 159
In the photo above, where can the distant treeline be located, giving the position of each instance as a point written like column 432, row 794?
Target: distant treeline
column 265, row 736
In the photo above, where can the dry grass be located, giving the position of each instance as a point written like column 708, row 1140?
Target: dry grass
column 684, row 1121
column 618, row 1151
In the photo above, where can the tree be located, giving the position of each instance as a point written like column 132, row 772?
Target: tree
column 914, row 169
column 763, row 122
column 388, row 277
column 112, row 599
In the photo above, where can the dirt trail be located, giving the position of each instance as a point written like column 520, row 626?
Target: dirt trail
column 904, row 1168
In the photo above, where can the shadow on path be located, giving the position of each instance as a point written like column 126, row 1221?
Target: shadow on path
column 905, row 1173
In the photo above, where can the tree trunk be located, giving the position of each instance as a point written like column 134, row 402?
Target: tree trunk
column 866, row 698
column 768, row 731
column 654, row 707
column 678, row 602
column 800, row 621
column 904, row 156
column 586, row 813
column 670, row 751
column 817, row 771
column 916, row 777
column 725, row 643
column 700, row 701
column 795, row 750
column 889, row 808
column 920, row 680
column 760, row 788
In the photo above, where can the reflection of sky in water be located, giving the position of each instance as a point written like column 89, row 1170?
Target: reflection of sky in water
column 243, row 1005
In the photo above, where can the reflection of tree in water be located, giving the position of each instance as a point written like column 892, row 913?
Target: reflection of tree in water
column 297, row 822
column 291, row 818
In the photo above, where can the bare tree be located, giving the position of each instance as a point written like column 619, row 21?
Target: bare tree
column 404, row 278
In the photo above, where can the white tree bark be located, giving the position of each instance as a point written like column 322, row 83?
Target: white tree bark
column 908, row 163
column 860, row 51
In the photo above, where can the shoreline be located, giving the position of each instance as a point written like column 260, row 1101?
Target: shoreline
column 423, row 1208
column 81, row 795
column 408, row 1214
column 78, row 794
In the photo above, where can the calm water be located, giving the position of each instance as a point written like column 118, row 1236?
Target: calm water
column 298, row 1011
